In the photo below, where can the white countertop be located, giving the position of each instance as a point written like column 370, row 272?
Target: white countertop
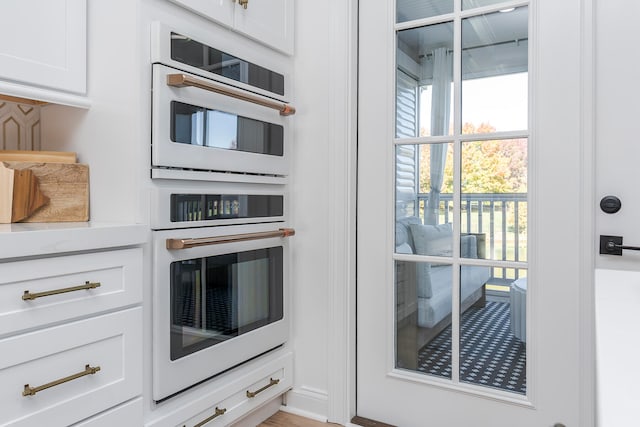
column 35, row 239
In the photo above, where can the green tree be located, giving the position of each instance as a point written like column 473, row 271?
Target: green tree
column 494, row 166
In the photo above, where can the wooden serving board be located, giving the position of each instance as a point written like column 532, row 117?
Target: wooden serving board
column 37, row 156
column 67, row 187
column 20, row 194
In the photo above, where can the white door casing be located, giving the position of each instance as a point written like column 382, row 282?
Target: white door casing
column 560, row 316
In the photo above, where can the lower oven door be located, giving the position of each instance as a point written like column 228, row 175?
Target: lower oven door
column 220, row 299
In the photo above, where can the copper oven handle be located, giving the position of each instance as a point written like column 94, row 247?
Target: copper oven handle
column 184, row 80
column 205, row 241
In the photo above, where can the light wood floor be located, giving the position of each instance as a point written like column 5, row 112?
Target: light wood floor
column 284, row 419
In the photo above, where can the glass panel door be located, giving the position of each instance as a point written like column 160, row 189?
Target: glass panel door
column 462, row 285
column 461, row 199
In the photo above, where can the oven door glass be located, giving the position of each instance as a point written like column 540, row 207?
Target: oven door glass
column 216, row 298
column 191, row 52
column 195, row 125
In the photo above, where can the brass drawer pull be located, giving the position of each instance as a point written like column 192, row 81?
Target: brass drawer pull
column 206, row 241
column 88, row 370
column 87, row 285
column 244, row 3
column 216, row 414
column 272, row 382
column 184, row 80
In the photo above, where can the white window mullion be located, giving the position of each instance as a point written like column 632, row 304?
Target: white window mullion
column 457, row 116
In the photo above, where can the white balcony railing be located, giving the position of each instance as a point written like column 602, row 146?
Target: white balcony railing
column 502, row 217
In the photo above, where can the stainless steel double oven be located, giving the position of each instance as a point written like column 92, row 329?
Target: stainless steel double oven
column 220, row 149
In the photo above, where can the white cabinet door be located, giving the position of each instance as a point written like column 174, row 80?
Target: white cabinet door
column 43, row 44
column 218, row 10
column 267, row 21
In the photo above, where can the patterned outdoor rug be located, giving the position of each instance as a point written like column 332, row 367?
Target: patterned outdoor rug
column 489, row 353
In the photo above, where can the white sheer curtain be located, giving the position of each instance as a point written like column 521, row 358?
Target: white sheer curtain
column 440, row 108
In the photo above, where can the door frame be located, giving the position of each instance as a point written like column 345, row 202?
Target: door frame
column 342, row 405
column 342, row 132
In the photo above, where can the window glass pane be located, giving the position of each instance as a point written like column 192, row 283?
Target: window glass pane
column 470, row 4
column 493, row 330
column 408, row 10
column 424, row 79
column 495, row 72
column 424, row 185
column 423, row 303
column 493, row 211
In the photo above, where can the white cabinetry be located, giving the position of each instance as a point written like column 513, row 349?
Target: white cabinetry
column 267, row 21
column 71, row 334
column 229, row 398
column 43, row 50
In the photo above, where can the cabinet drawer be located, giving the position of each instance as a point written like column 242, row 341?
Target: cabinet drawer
column 113, row 279
column 229, row 394
column 125, row 415
column 245, row 399
column 44, row 378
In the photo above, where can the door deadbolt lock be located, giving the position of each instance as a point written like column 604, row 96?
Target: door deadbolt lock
column 610, row 204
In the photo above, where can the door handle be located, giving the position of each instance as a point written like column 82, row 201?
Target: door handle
column 612, row 245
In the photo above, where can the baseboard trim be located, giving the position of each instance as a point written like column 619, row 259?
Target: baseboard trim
column 306, row 414
column 307, row 403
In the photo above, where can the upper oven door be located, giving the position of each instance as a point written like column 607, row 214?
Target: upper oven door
column 195, row 128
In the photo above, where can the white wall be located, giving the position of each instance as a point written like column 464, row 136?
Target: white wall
column 108, row 135
column 617, row 156
column 323, row 200
column 311, row 204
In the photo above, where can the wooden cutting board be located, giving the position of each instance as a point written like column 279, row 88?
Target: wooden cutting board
column 67, row 187
column 20, row 194
column 37, row 156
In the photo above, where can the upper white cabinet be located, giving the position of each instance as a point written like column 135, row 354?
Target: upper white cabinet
column 267, row 21
column 43, row 53
column 218, row 10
